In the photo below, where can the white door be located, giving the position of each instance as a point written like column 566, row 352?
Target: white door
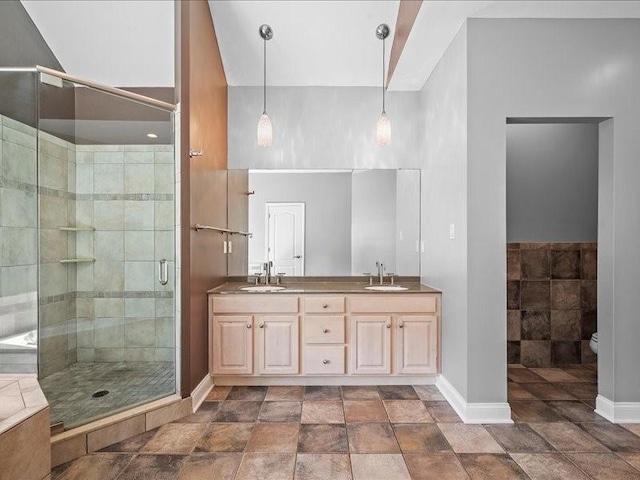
column 285, row 238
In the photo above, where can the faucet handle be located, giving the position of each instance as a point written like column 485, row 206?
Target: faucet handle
column 368, row 274
column 257, row 277
column 392, row 276
column 279, row 276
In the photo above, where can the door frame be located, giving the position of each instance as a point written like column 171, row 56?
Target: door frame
column 304, row 228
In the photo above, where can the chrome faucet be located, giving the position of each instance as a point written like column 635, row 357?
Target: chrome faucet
column 266, row 266
column 380, row 267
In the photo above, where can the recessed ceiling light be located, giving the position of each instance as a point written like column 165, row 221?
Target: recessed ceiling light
column 152, row 135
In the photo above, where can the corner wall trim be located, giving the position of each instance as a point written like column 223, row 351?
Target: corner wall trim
column 618, row 412
column 473, row 412
column 201, row 391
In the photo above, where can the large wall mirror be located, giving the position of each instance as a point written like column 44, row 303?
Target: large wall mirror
column 325, row 222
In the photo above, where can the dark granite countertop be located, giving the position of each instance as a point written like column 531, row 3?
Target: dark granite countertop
column 322, row 287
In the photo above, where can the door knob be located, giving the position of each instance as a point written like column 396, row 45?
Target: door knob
column 401, row 325
column 325, row 305
column 388, row 325
column 325, row 330
column 325, row 361
column 261, row 325
column 297, row 256
column 248, row 325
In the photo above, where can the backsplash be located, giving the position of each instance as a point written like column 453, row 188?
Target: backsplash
column 551, row 303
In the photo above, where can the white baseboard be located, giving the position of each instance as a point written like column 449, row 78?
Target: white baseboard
column 473, row 412
column 618, row 412
column 201, row 391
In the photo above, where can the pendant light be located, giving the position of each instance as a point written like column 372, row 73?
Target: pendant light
column 265, row 130
column 383, row 128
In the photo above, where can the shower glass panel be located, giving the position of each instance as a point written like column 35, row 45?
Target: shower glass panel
column 18, row 222
column 106, row 251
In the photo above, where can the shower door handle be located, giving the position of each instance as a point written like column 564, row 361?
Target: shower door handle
column 163, row 272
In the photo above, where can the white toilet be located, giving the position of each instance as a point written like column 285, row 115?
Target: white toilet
column 594, row 343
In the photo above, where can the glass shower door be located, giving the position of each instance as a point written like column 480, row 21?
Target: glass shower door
column 107, row 327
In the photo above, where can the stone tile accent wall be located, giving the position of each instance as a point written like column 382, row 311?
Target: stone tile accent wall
column 551, row 303
column 18, row 243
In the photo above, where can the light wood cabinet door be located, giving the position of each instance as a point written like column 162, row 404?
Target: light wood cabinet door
column 232, row 345
column 370, row 344
column 278, row 345
column 416, row 342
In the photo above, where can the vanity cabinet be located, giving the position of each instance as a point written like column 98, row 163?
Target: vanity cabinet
column 370, row 344
column 416, row 344
column 365, row 337
column 278, row 342
column 232, row 345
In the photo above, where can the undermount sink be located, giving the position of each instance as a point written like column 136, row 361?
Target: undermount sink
column 263, row 288
column 386, row 288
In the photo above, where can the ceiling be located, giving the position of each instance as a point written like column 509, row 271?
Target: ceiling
column 332, row 43
column 316, row 42
column 119, row 43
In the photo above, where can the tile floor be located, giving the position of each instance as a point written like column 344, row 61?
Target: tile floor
column 370, row 433
column 70, row 391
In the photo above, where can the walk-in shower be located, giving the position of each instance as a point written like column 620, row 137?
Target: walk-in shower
column 87, row 235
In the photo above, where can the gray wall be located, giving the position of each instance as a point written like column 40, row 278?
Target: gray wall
column 553, row 68
column 443, row 151
column 552, row 182
column 373, row 233
column 322, row 127
column 408, row 222
column 21, row 41
column 327, row 211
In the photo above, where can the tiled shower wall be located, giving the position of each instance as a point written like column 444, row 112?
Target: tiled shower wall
column 126, row 193
column 18, row 230
column 56, row 195
column 107, row 310
column 551, row 303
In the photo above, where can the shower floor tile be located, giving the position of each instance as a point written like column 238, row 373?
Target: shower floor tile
column 69, row 392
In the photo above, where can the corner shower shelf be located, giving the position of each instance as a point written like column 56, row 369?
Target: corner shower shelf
column 77, row 229
column 77, row 260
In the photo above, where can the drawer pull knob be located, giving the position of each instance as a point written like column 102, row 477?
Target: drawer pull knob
column 325, row 330
column 248, row 325
column 325, row 305
column 401, row 325
column 388, row 325
column 261, row 325
column 325, row 361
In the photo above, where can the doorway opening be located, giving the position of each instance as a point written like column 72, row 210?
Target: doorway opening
column 552, row 168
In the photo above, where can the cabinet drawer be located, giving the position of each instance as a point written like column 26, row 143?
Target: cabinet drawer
column 324, row 360
column 264, row 303
column 315, row 304
column 323, row 329
column 394, row 303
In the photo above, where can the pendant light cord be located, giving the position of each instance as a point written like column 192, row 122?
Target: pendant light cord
column 383, row 79
column 264, row 83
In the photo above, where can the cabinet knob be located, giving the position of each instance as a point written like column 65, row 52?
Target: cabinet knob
column 401, row 325
column 261, row 325
column 388, row 325
column 325, row 361
column 325, row 330
column 325, row 305
column 248, row 325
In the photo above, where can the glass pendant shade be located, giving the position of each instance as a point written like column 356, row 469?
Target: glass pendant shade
column 265, row 131
column 383, row 130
